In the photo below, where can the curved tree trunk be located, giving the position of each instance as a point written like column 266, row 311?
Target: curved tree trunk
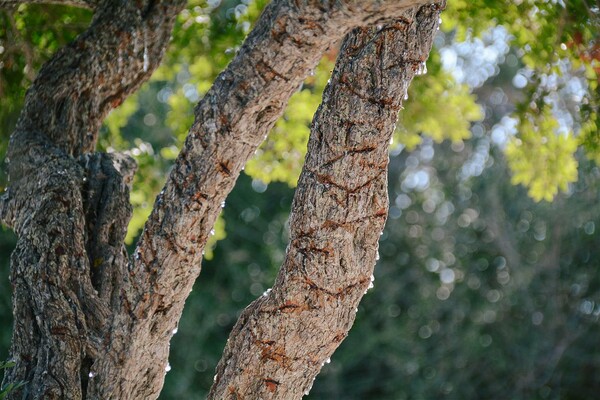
column 282, row 340
column 89, row 321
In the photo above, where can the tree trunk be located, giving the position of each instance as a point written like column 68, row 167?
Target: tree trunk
column 92, row 323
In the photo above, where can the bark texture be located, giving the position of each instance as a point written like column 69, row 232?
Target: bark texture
column 282, row 340
column 90, row 323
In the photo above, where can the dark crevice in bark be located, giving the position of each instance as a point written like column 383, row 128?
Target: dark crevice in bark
column 107, row 213
column 148, row 8
column 86, row 365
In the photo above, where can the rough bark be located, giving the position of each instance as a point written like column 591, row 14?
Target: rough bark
column 282, row 340
column 90, row 323
column 76, row 89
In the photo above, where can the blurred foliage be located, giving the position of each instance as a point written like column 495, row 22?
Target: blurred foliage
column 478, row 284
column 429, row 94
column 554, row 165
column 545, row 33
column 6, row 390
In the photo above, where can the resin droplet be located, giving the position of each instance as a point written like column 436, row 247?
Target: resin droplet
column 145, row 58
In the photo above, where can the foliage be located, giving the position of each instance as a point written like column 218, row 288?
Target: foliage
column 546, row 33
column 429, row 94
column 553, row 165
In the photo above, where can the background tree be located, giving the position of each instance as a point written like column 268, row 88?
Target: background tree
column 540, row 46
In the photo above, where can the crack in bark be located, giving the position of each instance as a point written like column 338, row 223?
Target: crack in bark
column 342, row 292
column 267, row 72
column 389, row 102
column 349, row 152
column 327, row 180
column 107, row 210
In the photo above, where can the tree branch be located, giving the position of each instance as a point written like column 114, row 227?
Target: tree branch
column 231, row 121
column 76, row 89
column 282, row 340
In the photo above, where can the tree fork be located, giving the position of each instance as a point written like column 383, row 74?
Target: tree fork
column 231, row 121
column 104, row 333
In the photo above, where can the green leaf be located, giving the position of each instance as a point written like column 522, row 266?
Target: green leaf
column 542, row 159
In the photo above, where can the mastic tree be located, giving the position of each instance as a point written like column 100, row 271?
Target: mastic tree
column 91, row 322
